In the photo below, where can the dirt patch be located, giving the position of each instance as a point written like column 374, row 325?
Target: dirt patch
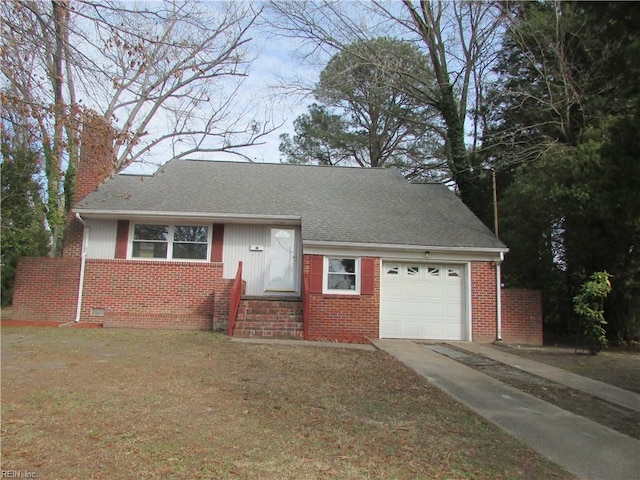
column 619, row 366
column 158, row 404
column 619, row 418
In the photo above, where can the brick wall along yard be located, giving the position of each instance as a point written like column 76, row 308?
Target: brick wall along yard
column 194, row 295
column 521, row 309
column 46, row 289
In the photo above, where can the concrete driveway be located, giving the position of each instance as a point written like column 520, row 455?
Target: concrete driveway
column 581, row 446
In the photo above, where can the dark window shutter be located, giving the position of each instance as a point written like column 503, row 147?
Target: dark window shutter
column 316, row 266
column 122, row 239
column 367, row 271
column 217, row 242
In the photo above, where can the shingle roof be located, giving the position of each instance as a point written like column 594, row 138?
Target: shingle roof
column 335, row 204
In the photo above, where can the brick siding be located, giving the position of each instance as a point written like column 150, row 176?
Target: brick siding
column 132, row 293
column 147, row 294
column 483, row 301
column 521, row 310
column 156, row 294
column 344, row 318
column 73, row 233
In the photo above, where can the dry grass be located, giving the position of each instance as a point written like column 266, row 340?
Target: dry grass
column 160, row 404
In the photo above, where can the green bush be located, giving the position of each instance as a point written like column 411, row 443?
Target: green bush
column 589, row 304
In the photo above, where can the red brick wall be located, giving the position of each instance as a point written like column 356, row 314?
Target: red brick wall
column 96, row 164
column 131, row 293
column 344, row 318
column 156, row 294
column 46, row 289
column 194, row 295
column 522, row 316
column 483, row 301
column 521, row 310
column 97, row 158
column 73, row 233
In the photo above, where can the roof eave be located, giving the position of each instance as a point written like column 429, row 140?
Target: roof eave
column 398, row 247
column 211, row 216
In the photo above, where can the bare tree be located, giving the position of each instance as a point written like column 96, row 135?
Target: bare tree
column 458, row 39
column 544, row 88
column 165, row 76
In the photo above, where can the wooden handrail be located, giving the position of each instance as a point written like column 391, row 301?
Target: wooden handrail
column 234, row 300
column 306, row 305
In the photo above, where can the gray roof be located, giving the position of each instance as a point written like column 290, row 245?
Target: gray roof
column 335, row 204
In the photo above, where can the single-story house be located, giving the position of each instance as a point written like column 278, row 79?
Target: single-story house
column 259, row 249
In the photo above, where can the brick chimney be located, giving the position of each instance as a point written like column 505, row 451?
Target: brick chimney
column 97, row 158
column 95, row 165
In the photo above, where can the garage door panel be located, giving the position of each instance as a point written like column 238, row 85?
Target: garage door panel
column 395, row 289
column 436, row 292
column 413, row 309
column 423, row 302
column 434, row 311
column 390, row 309
column 452, row 311
column 445, row 330
column 413, row 290
column 411, row 330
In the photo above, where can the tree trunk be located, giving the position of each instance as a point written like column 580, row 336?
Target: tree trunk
column 55, row 214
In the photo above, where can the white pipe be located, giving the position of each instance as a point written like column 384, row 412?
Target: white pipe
column 499, row 298
column 83, row 261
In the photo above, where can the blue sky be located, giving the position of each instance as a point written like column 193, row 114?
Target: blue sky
column 261, row 93
column 275, row 63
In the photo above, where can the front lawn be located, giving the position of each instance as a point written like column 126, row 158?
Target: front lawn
column 80, row 403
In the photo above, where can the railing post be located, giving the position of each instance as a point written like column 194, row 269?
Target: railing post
column 306, row 305
column 234, row 300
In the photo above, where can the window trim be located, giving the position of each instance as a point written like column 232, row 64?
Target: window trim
column 325, row 276
column 170, row 241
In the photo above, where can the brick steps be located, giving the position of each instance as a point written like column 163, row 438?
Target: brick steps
column 277, row 317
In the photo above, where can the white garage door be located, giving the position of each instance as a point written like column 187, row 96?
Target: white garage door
column 422, row 301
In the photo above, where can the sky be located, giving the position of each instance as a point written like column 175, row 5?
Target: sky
column 274, row 62
column 275, row 59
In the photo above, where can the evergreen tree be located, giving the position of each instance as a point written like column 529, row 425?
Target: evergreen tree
column 23, row 213
column 564, row 132
column 368, row 116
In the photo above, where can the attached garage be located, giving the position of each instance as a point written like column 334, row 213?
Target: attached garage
column 423, row 301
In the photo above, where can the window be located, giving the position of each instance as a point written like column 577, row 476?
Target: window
column 150, row 241
column 433, row 272
column 413, row 271
column 342, row 275
column 190, row 242
column 173, row 242
column 453, row 272
column 393, row 270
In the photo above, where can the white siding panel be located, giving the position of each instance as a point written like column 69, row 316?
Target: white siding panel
column 102, row 238
column 237, row 240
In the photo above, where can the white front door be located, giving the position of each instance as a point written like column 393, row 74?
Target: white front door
column 283, row 260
